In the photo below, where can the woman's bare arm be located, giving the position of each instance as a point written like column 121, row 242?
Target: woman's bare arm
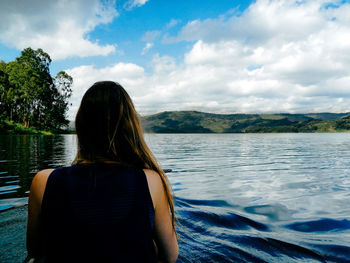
column 36, row 194
column 166, row 241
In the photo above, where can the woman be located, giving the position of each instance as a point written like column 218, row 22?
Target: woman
column 112, row 204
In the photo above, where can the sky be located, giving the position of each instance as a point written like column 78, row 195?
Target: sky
column 227, row 56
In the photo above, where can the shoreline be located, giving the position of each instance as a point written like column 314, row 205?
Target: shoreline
column 14, row 128
column 147, row 132
column 13, row 226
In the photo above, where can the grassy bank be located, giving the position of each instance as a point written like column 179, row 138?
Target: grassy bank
column 8, row 127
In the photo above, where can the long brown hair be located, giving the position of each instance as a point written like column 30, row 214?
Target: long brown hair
column 109, row 129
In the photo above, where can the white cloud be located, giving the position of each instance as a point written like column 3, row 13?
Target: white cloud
column 146, row 48
column 173, row 23
column 150, row 36
column 134, row 3
column 59, row 27
column 263, row 20
column 277, row 56
column 129, row 75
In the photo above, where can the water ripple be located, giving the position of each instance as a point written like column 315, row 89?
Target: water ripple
column 322, row 225
column 238, row 197
column 229, row 220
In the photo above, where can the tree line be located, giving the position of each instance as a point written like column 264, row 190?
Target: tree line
column 30, row 95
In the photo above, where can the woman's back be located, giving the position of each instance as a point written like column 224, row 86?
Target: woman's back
column 98, row 213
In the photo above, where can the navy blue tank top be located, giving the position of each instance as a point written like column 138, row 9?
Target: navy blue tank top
column 98, row 213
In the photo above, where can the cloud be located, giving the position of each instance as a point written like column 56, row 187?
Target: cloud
column 134, row 3
column 277, row 56
column 263, row 20
column 60, row 27
column 146, row 48
column 131, row 76
column 151, row 36
column 173, row 23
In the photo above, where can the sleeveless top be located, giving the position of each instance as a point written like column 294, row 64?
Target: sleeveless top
column 97, row 213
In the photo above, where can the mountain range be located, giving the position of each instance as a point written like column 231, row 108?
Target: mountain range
column 201, row 122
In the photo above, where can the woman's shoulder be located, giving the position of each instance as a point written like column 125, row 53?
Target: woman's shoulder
column 155, row 185
column 45, row 172
column 153, row 178
column 42, row 176
column 38, row 186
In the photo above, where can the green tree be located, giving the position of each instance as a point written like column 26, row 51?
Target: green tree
column 60, row 96
column 4, row 84
column 32, row 96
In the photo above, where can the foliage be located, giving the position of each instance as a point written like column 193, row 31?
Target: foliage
column 30, row 95
column 343, row 124
column 8, row 127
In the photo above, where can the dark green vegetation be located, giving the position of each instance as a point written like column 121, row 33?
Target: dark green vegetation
column 30, row 98
column 17, row 128
column 200, row 122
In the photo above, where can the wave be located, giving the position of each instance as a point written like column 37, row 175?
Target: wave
column 216, row 231
column 321, row 225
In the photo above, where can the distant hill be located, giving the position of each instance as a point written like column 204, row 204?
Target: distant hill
column 201, row 122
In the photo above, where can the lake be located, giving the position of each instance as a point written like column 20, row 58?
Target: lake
column 239, row 197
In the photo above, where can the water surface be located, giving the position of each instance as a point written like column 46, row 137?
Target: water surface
column 239, row 197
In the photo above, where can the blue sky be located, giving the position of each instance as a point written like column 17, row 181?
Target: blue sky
column 264, row 56
column 152, row 21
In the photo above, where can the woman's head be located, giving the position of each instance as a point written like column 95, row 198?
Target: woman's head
column 107, row 125
column 109, row 129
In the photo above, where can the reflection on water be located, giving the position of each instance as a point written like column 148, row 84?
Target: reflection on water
column 239, row 197
column 22, row 156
